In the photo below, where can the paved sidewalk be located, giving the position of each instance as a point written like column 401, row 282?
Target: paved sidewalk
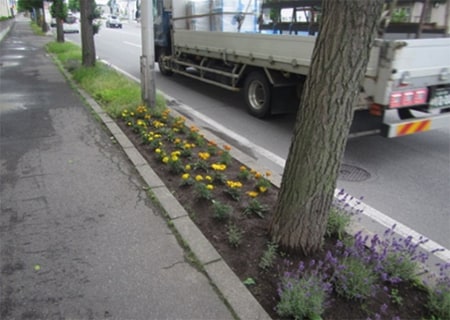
column 79, row 237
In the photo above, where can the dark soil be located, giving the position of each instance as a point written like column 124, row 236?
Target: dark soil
column 245, row 258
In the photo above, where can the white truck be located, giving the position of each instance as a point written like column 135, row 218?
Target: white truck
column 406, row 89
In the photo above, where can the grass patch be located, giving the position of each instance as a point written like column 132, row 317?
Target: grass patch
column 113, row 91
column 37, row 29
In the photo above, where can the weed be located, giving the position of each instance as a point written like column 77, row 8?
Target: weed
column 249, row 282
column 221, row 211
column 396, row 297
column 338, row 221
column 234, row 235
column 268, row 256
column 255, row 207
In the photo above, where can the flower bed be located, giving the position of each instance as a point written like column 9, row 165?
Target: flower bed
column 352, row 277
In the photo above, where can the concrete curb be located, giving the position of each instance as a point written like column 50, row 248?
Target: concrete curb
column 239, row 298
column 9, row 23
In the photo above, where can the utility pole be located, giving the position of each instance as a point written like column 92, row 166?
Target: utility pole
column 148, row 90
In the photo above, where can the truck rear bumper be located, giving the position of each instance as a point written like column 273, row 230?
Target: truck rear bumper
column 411, row 126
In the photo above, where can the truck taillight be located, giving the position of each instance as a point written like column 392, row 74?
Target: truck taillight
column 408, row 98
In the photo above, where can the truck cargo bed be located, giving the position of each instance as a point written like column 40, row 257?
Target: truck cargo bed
column 279, row 52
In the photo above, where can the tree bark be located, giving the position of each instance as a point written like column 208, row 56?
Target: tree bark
column 339, row 62
column 87, row 33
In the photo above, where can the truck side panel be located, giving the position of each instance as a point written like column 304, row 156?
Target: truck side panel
column 278, row 52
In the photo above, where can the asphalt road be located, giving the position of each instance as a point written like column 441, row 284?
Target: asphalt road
column 406, row 179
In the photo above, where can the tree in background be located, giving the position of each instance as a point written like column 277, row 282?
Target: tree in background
column 36, row 8
column 338, row 66
column 58, row 10
column 88, row 13
column 74, row 5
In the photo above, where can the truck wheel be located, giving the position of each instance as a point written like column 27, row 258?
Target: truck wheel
column 163, row 68
column 257, row 90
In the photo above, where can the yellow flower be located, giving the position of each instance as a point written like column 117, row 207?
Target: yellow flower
column 226, row 147
column 243, row 168
column 262, row 189
column 188, row 167
column 208, row 178
column 165, row 159
column 185, row 176
column 258, row 175
column 158, row 150
column 234, row 184
column 268, row 173
column 252, row 194
column 218, row 166
column 204, row 155
column 174, row 158
column 141, row 123
column 198, row 178
column 209, row 187
column 129, row 123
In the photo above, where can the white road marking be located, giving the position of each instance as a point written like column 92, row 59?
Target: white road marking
column 132, row 44
column 381, row 218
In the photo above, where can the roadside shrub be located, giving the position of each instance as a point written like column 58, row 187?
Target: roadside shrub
column 338, row 221
column 439, row 296
column 439, row 301
column 303, row 298
column 353, row 279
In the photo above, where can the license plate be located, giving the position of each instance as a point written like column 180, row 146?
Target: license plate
column 440, row 97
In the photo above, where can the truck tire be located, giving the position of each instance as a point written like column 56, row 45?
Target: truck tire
column 165, row 71
column 258, row 93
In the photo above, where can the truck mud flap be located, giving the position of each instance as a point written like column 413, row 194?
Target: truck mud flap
column 412, row 126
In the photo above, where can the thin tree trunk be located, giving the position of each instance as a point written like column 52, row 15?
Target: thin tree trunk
column 59, row 30
column 87, row 33
column 323, row 121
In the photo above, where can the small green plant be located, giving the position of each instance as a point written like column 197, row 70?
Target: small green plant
column 225, row 157
column 249, row 282
column 255, row 207
column 234, row 235
column 244, row 173
column 338, row 221
column 439, row 301
column 354, row 280
column 233, row 189
column 221, row 211
column 396, row 297
column 203, row 190
column 302, row 298
column 268, row 257
column 400, row 265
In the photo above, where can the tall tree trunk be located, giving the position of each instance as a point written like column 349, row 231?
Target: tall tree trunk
column 87, row 33
column 323, row 121
column 59, row 30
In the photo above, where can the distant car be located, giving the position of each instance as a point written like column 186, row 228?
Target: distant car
column 113, row 22
column 71, row 25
